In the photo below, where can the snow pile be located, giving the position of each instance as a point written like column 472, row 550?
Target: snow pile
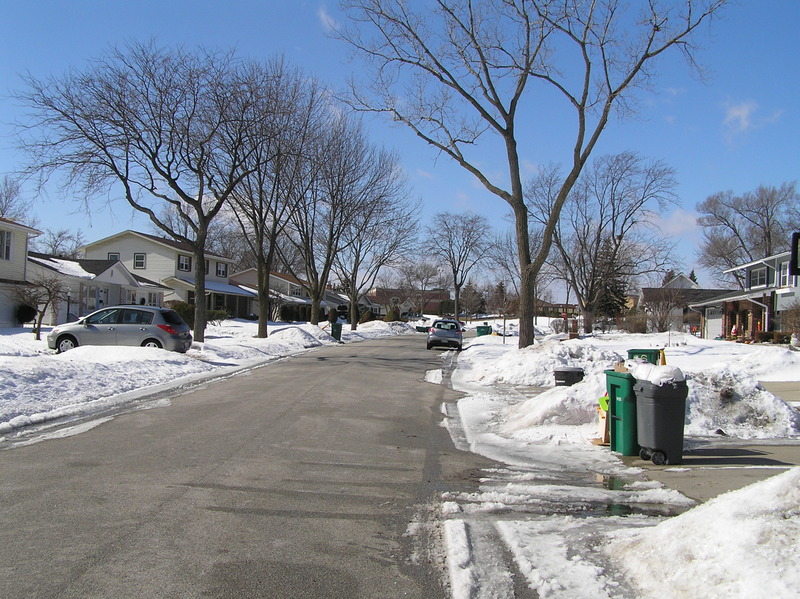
column 753, row 532
column 724, row 393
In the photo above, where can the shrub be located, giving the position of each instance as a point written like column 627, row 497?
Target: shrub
column 781, row 337
column 366, row 316
column 392, row 316
column 185, row 311
column 26, row 313
column 764, row 337
column 216, row 316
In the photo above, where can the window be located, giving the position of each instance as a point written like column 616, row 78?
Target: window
column 758, row 277
column 222, row 269
column 113, row 256
column 785, row 279
column 136, row 317
column 185, row 263
column 207, row 267
column 139, row 261
column 5, row 245
column 110, row 316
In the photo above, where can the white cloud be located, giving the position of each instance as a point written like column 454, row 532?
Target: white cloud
column 739, row 117
column 678, row 223
column 328, row 22
column 424, row 174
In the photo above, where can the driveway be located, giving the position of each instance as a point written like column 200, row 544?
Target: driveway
column 312, row 477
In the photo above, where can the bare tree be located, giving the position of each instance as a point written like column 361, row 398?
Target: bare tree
column 277, row 167
column 606, row 234
column 740, row 229
column 13, row 205
column 461, row 68
column 42, row 293
column 62, row 243
column 159, row 127
column 660, row 305
column 338, row 185
column 382, row 234
column 459, row 241
column 419, row 282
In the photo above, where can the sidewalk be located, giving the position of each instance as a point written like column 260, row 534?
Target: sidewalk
column 714, row 466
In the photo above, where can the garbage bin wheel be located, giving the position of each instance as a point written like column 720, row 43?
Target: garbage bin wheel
column 659, row 458
column 645, row 453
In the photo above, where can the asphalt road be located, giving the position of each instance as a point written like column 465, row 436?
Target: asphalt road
column 305, row 478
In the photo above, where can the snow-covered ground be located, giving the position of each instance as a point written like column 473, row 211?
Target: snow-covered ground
column 550, row 517
column 741, row 544
column 37, row 385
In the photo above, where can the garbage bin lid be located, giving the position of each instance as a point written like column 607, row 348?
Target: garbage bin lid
column 568, row 369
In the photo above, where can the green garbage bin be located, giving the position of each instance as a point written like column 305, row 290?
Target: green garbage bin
column 483, row 330
column 649, row 355
column 336, row 330
column 622, row 412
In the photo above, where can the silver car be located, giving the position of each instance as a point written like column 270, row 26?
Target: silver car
column 445, row 333
column 145, row 326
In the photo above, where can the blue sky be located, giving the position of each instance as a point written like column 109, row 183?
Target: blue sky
column 737, row 130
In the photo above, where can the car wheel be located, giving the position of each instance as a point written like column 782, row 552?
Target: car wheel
column 429, row 346
column 66, row 343
column 151, row 343
column 458, row 348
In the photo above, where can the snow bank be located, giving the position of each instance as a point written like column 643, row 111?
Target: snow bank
column 37, row 385
column 753, row 532
column 723, row 380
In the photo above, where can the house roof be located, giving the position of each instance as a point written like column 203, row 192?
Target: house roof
column 212, row 286
column 384, row 295
column 181, row 246
column 759, row 261
column 85, row 269
column 30, row 230
column 686, row 296
column 730, row 296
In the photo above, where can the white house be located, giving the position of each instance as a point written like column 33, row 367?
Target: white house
column 89, row 285
column 14, row 239
column 171, row 263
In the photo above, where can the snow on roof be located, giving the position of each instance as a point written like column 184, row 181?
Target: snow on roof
column 64, row 266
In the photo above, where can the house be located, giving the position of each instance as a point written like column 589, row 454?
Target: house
column 14, row 239
column 669, row 307
column 757, row 309
column 288, row 297
column 171, row 263
column 382, row 299
column 89, row 285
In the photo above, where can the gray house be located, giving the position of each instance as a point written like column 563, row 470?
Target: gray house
column 750, row 313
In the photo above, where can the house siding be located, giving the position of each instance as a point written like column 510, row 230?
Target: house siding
column 161, row 261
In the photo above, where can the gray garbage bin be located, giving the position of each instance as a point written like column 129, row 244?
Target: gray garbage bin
column 567, row 376
column 660, row 416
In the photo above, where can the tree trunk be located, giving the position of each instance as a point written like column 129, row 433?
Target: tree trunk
column 313, row 318
column 354, row 315
column 263, row 299
column 200, row 293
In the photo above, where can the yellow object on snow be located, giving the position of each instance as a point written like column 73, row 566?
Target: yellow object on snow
column 663, row 358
